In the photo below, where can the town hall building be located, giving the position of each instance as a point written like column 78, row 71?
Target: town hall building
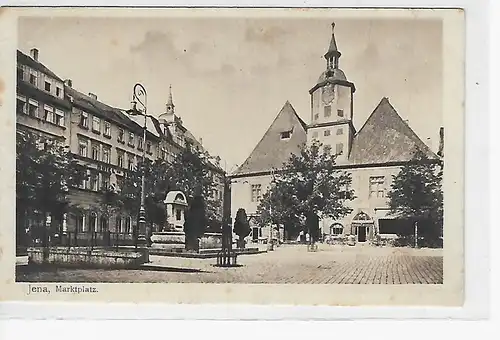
column 372, row 154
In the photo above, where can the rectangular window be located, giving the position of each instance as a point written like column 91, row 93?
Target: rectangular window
column 22, row 106
column 107, row 129
column 148, row 147
column 340, row 131
column 106, row 151
column 326, row 133
column 377, row 186
column 256, row 192
column 33, row 78
column 178, row 214
column 47, row 86
column 48, row 113
column 119, row 161
column 105, row 181
column 131, row 139
column 286, row 134
column 59, row 92
column 339, row 148
column 82, row 148
column 328, row 111
column 131, row 162
column 20, row 73
column 84, row 182
column 340, row 113
column 95, row 151
column 96, row 124
column 94, row 182
column 33, row 108
column 121, row 134
column 139, row 144
column 59, row 117
column 84, row 120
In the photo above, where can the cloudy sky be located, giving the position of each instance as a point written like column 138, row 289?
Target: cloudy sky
column 231, row 76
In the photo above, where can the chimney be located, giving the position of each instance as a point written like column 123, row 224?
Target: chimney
column 68, row 83
column 34, row 54
column 92, row 95
column 441, row 142
column 201, row 141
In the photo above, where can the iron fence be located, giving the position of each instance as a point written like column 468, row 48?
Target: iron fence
column 93, row 239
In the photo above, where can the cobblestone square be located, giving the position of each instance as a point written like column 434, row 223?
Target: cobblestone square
column 288, row 264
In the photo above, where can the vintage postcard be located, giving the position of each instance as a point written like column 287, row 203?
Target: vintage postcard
column 260, row 156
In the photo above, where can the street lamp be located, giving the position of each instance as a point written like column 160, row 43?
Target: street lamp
column 270, row 236
column 140, row 97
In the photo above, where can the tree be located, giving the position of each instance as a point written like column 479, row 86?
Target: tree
column 416, row 193
column 45, row 171
column 279, row 205
column 241, row 227
column 192, row 173
column 195, row 222
column 309, row 186
column 156, row 187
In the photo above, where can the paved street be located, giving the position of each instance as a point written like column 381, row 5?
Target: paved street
column 288, row 264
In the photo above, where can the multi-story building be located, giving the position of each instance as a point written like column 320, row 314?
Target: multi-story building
column 109, row 144
column 106, row 141
column 372, row 154
column 42, row 106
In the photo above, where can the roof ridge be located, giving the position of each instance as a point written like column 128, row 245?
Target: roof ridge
column 266, row 135
column 261, row 139
column 384, row 99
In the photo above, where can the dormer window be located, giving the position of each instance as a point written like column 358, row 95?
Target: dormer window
column 286, row 134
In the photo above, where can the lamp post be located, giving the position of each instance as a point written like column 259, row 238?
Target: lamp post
column 270, row 237
column 140, row 97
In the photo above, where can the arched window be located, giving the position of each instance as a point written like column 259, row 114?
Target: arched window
column 104, row 225
column 93, row 222
column 118, row 225
column 80, row 222
column 336, row 229
column 128, row 224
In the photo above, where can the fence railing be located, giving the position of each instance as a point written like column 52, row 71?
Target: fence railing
column 93, row 239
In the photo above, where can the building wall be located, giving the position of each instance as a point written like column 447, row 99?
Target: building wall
column 241, row 193
column 332, row 127
column 338, row 99
column 373, row 204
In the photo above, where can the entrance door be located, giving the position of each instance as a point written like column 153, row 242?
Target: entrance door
column 255, row 233
column 361, row 234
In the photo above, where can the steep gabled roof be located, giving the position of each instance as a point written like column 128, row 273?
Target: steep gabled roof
column 272, row 151
column 385, row 137
column 28, row 61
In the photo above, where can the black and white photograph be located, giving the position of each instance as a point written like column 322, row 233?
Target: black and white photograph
column 236, row 148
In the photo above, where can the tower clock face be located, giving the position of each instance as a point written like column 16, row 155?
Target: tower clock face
column 328, row 94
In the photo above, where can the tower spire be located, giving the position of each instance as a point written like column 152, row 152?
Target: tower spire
column 170, row 101
column 333, row 54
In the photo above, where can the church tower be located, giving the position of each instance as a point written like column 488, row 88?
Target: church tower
column 170, row 102
column 168, row 119
column 332, row 107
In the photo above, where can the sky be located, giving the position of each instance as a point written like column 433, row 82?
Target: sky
column 231, row 76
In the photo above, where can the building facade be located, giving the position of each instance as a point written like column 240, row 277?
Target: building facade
column 372, row 154
column 105, row 140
